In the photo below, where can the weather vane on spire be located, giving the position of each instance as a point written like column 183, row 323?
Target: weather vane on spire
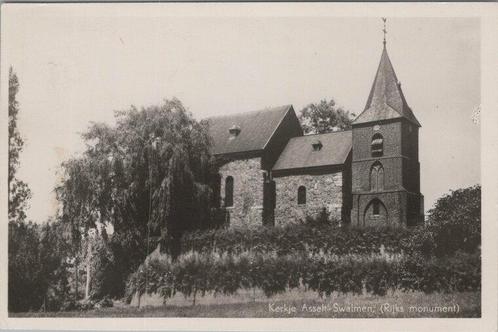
column 384, row 30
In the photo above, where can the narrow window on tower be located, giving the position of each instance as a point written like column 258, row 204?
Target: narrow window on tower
column 301, row 195
column 380, row 178
column 229, row 191
column 376, row 208
column 377, row 145
column 376, row 177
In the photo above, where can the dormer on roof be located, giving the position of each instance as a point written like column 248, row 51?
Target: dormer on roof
column 300, row 153
column 317, row 145
column 234, row 131
column 251, row 132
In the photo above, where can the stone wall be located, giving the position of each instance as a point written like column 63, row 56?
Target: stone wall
column 248, row 179
column 322, row 191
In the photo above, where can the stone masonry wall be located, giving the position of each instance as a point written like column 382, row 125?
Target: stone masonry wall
column 322, row 191
column 247, row 206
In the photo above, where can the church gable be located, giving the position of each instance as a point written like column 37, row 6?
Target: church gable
column 245, row 132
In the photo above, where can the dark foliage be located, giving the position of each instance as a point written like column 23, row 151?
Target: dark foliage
column 459, row 272
column 19, row 192
column 105, row 272
column 37, row 267
column 454, row 224
column 455, row 221
column 194, row 274
column 324, row 117
column 24, row 293
column 319, row 236
column 149, row 176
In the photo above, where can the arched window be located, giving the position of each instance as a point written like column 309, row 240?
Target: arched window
column 380, row 178
column 377, row 177
column 377, row 210
column 229, row 191
column 301, row 195
column 377, row 145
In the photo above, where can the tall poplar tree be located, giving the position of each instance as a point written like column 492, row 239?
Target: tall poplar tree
column 19, row 192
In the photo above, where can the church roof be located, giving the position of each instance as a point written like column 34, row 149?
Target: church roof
column 386, row 100
column 301, row 152
column 244, row 132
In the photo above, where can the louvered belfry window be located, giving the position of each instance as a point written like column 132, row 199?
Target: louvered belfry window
column 377, row 145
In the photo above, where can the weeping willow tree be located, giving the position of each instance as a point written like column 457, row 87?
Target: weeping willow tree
column 149, row 174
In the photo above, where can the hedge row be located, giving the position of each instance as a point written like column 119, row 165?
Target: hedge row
column 196, row 273
column 299, row 238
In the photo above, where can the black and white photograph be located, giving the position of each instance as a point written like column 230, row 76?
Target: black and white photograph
column 237, row 162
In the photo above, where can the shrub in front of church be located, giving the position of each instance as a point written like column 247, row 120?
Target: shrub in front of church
column 459, row 272
column 455, row 221
column 194, row 274
column 453, row 224
column 299, row 238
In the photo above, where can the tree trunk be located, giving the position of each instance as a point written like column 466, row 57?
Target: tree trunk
column 77, row 279
column 138, row 292
column 88, row 277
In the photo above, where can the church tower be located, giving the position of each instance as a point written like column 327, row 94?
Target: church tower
column 385, row 165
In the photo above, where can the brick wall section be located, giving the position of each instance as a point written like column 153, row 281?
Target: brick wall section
column 247, row 191
column 322, row 191
column 394, row 215
column 362, row 139
column 399, row 172
column 393, row 174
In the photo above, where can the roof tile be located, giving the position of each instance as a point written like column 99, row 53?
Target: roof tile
column 299, row 152
column 255, row 129
column 386, row 99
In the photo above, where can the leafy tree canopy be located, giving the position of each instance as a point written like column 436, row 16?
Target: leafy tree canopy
column 453, row 224
column 455, row 220
column 459, row 206
column 153, row 165
column 324, row 117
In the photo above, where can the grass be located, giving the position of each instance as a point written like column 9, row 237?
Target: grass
column 294, row 304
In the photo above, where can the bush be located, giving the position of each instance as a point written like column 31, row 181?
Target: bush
column 104, row 303
column 196, row 274
column 441, row 256
column 306, row 238
column 37, row 267
column 460, row 272
column 455, row 222
column 323, row 218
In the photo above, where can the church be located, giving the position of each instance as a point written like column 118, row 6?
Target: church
column 273, row 174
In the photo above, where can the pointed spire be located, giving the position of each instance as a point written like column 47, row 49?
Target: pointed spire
column 386, row 99
column 384, row 30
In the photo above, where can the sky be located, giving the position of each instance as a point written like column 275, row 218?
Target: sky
column 74, row 68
